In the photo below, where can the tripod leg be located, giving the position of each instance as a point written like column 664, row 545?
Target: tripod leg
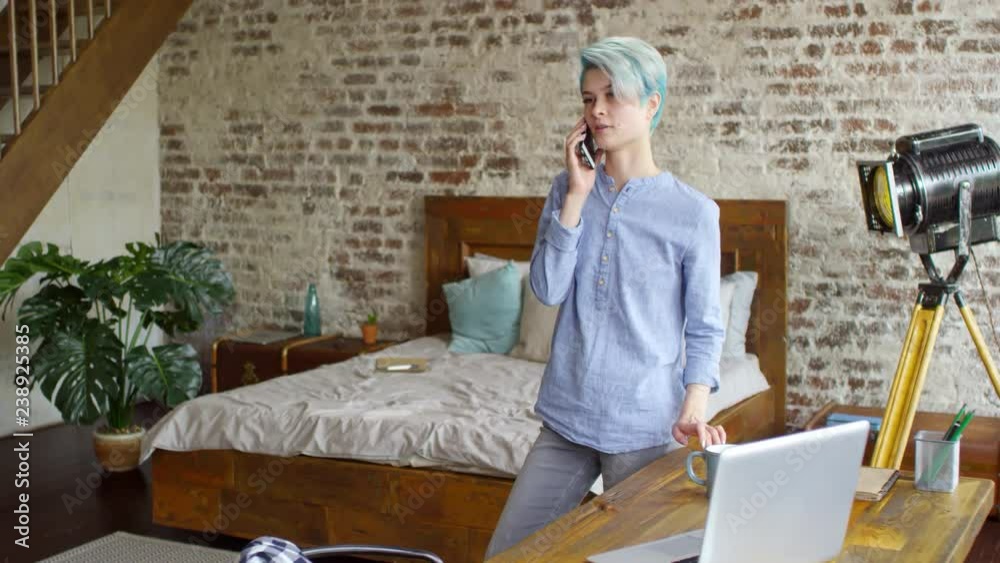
column 903, row 374
column 907, row 386
column 977, row 339
column 924, row 353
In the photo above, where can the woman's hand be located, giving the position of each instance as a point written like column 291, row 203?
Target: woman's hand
column 691, row 421
column 707, row 434
column 581, row 176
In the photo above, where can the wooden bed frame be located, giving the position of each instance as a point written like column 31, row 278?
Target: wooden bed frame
column 320, row 501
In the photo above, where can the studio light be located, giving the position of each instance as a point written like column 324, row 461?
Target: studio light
column 941, row 189
column 920, row 190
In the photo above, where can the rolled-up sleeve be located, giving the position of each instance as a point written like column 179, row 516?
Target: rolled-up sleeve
column 553, row 259
column 703, row 332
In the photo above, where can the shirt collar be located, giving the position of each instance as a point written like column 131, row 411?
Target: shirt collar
column 607, row 180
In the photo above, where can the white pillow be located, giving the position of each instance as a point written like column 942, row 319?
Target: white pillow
column 743, row 284
column 727, row 291
column 479, row 264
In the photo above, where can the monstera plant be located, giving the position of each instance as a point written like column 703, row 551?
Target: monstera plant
column 92, row 323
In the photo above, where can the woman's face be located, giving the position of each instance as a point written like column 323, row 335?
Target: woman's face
column 615, row 122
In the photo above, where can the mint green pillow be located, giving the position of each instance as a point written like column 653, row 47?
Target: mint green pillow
column 485, row 311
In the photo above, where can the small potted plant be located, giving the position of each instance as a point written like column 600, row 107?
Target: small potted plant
column 369, row 330
column 93, row 321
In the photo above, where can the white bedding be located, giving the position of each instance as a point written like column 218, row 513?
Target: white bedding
column 470, row 413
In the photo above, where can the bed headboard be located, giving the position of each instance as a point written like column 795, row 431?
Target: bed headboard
column 754, row 235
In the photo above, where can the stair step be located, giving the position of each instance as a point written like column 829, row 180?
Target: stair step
column 5, row 140
column 6, row 92
column 62, row 7
column 44, row 46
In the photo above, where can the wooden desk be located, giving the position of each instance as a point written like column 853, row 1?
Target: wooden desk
column 659, row 501
column 979, row 451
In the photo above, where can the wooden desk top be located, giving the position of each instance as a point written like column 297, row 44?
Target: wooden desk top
column 660, row 501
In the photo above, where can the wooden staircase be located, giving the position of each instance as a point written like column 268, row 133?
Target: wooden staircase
column 64, row 67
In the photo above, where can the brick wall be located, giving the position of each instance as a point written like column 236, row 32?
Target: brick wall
column 299, row 136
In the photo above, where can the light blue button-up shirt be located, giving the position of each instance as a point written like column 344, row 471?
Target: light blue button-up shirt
column 639, row 273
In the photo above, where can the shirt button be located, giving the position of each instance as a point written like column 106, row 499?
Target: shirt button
column 611, row 189
column 610, row 234
column 600, row 281
column 614, row 210
column 604, row 258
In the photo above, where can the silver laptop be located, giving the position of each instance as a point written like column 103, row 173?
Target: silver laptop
column 786, row 499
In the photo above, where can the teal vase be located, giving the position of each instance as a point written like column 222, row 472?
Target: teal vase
column 311, row 324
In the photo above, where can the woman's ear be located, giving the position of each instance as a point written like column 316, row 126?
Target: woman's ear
column 652, row 104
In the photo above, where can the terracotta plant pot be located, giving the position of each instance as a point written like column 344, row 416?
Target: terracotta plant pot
column 369, row 333
column 119, row 452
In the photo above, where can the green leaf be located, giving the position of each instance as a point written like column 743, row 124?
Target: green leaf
column 187, row 276
column 79, row 372
column 170, row 374
column 102, row 283
column 55, row 308
column 35, row 258
column 170, row 321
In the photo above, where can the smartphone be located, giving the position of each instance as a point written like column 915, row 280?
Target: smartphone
column 588, row 149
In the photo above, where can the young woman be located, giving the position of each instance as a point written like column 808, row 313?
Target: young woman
column 632, row 255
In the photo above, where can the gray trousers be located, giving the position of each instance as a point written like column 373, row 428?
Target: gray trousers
column 554, row 479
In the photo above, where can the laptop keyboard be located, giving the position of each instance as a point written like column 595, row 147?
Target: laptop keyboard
column 693, row 559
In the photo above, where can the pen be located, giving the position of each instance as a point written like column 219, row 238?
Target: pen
column 954, row 423
column 961, row 428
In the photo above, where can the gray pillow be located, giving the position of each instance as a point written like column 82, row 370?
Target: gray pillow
column 538, row 323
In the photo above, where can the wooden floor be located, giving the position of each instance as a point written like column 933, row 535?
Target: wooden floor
column 73, row 502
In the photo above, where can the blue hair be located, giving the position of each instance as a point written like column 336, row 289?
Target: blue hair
column 636, row 69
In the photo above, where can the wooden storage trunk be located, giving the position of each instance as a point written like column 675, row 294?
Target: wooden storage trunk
column 236, row 363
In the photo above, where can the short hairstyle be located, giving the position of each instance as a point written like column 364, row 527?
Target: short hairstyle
column 636, row 69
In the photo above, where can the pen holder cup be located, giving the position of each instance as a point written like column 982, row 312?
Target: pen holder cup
column 936, row 463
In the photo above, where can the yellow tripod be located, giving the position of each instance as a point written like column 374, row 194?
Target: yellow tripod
column 916, row 357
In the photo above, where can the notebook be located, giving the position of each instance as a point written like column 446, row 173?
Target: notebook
column 395, row 364
column 875, row 482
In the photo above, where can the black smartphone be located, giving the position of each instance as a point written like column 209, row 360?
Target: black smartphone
column 588, row 149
